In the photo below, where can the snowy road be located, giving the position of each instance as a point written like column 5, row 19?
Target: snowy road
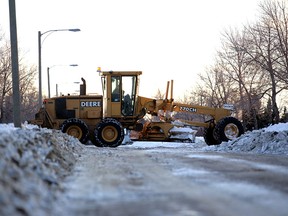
column 179, row 180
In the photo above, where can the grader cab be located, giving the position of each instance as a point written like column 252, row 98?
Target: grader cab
column 103, row 118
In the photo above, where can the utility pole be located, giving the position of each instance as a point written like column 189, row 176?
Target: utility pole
column 15, row 65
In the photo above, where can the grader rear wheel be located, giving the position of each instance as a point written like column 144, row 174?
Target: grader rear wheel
column 76, row 128
column 109, row 133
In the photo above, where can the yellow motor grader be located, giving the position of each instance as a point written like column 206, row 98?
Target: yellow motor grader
column 103, row 118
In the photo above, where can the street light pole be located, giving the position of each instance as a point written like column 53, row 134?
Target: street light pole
column 48, row 75
column 39, row 58
column 39, row 69
column 57, row 89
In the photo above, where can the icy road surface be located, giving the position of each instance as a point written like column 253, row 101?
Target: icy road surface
column 179, row 179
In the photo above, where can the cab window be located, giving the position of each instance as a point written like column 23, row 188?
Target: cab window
column 115, row 88
column 128, row 94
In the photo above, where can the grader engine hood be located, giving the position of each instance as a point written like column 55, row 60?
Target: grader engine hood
column 74, row 107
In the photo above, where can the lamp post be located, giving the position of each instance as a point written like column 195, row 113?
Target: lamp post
column 48, row 75
column 39, row 58
column 56, row 89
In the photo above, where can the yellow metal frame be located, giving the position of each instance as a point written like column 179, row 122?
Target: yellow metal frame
column 109, row 109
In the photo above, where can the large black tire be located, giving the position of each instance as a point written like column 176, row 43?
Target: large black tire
column 228, row 128
column 109, row 133
column 76, row 128
column 209, row 138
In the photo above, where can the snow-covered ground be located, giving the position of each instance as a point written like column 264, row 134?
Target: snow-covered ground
column 271, row 140
column 34, row 161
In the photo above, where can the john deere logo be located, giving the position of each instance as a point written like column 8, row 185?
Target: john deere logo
column 90, row 104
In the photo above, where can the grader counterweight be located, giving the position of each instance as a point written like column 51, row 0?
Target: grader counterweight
column 103, row 118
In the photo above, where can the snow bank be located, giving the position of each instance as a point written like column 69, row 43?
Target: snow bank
column 277, row 127
column 271, row 140
column 32, row 163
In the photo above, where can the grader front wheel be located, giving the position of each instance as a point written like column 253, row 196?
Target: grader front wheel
column 209, row 138
column 228, row 128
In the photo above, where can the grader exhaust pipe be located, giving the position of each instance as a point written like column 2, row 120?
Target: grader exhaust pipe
column 83, row 87
column 171, row 90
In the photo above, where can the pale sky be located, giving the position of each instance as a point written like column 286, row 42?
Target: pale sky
column 166, row 39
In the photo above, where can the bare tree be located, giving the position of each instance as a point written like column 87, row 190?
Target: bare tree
column 264, row 50
column 198, row 96
column 218, row 86
column 5, row 76
column 159, row 95
column 246, row 77
column 275, row 16
column 28, row 92
column 251, row 65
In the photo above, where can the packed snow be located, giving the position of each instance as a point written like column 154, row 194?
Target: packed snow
column 34, row 161
column 270, row 140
